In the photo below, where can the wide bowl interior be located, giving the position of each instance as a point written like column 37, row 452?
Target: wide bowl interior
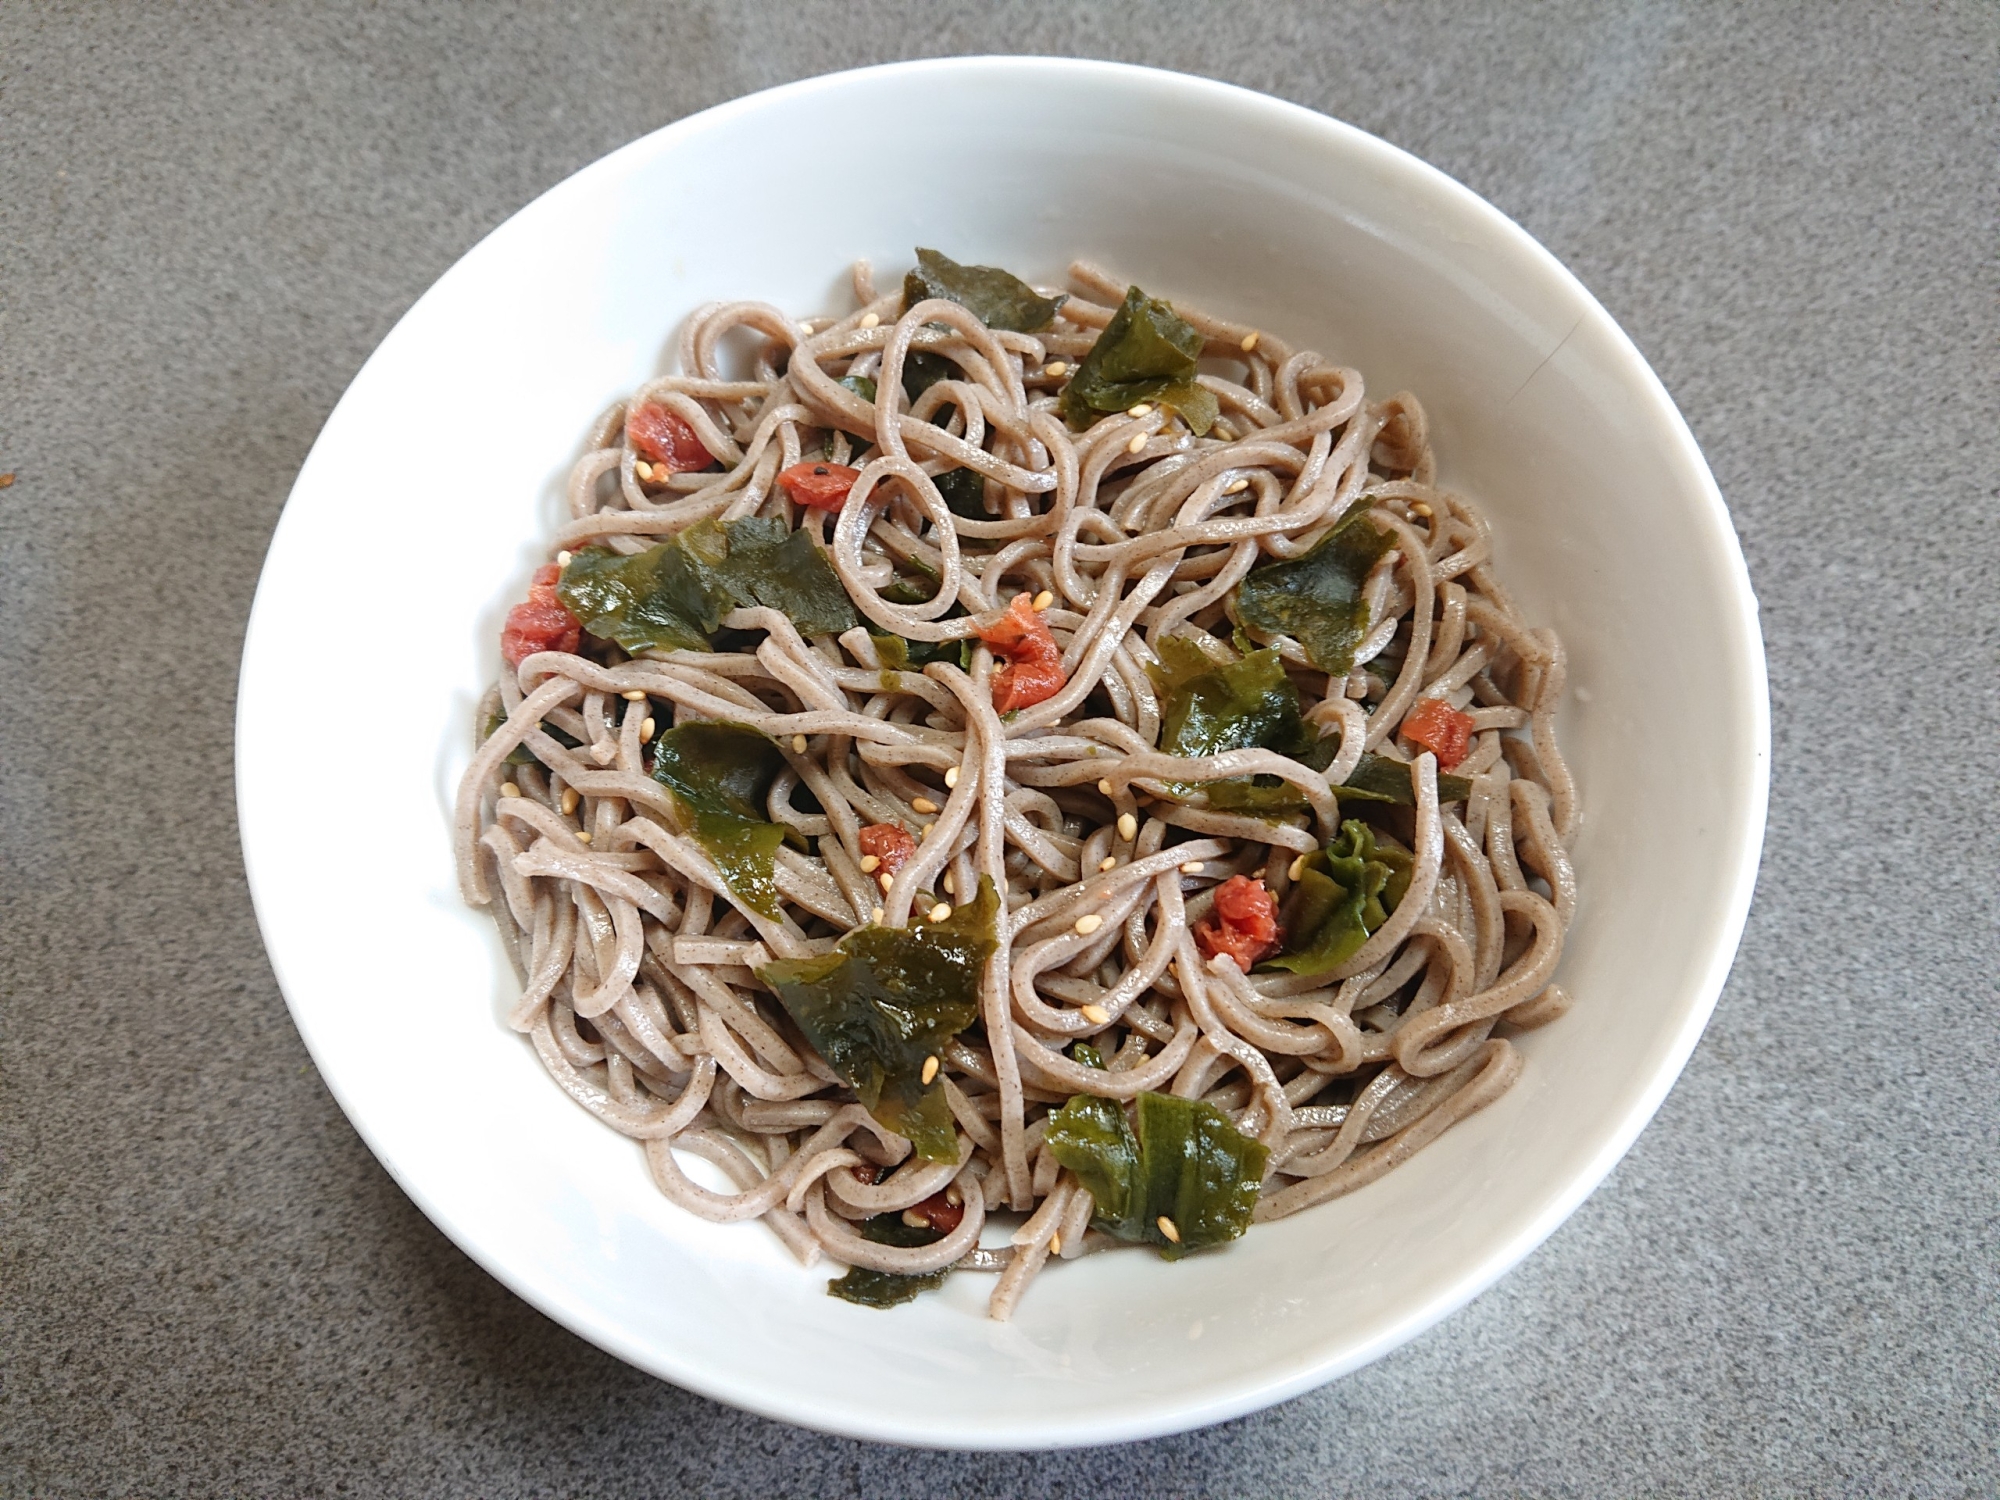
column 432, row 490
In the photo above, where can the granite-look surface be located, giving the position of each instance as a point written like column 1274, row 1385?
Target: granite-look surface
column 208, row 217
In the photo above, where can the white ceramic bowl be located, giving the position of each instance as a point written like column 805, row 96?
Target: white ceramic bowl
column 447, row 455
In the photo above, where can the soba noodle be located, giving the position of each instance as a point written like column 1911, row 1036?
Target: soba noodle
column 640, row 990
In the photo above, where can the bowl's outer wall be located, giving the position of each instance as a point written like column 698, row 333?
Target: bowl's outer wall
column 1608, row 527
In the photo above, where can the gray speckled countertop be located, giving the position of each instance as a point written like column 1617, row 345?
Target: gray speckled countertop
column 208, row 218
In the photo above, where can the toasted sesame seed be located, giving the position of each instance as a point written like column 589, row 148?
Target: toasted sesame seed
column 1088, row 923
column 1421, row 509
column 1104, row 786
column 1055, row 369
column 925, row 831
column 954, row 1195
column 635, row 695
column 950, row 884
column 1141, row 410
column 1044, row 599
column 562, row 559
column 940, row 911
column 1055, row 1243
column 1097, row 1015
column 508, row 789
column 885, row 880
column 1298, row 868
column 1138, row 442
column 1166, row 1225
column 570, row 798
column 1249, row 341
column 923, row 805
column 1237, row 487
column 1128, row 827
column 643, row 469
column 875, row 915
column 930, row 1068
column 584, row 837
column 1109, row 862
column 1192, row 867
column 951, row 776
column 871, row 320
column 915, row 1220
column 646, row 728
column 870, row 863
column 798, row 744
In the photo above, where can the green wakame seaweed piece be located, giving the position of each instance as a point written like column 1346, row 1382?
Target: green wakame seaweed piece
column 922, row 370
column 1186, row 1163
column 888, row 1288
column 1147, row 352
column 998, row 298
column 964, row 492
column 1207, row 708
column 1316, row 599
column 886, row 999
column 1341, row 894
column 1383, row 778
column 673, row 596
column 720, row 774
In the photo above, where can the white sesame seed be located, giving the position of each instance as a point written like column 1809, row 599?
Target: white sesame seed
column 1249, row 342
column 950, row 884
column 1192, row 867
column 1166, row 1226
column 1128, row 827
column 885, row 880
column 570, row 798
column 1298, row 868
column 1104, row 786
column 875, row 915
column 508, row 789
column 1088, row 923
column 1109, row 862
column 1141, row 410
column 923, row 805
column 1138, row 442
column 951, row 776
column 1237, row 487
column 562, row 559
column 871, row 320
column 940, row 911
column 1221, row 963
column 870, row 863
column 930, row 1068
column 643, row 469
column 646, row 727
column 1055, row 1243
column 1097, row 1015
column 806, row 326
column 1055, row 369
column 584, row 837
column 798, row 744
column 635, row 695
column 1044, row 599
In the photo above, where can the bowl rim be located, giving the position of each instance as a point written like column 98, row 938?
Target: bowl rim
column 1227, row 1398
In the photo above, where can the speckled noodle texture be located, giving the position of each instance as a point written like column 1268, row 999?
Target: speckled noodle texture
column 209, row 216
